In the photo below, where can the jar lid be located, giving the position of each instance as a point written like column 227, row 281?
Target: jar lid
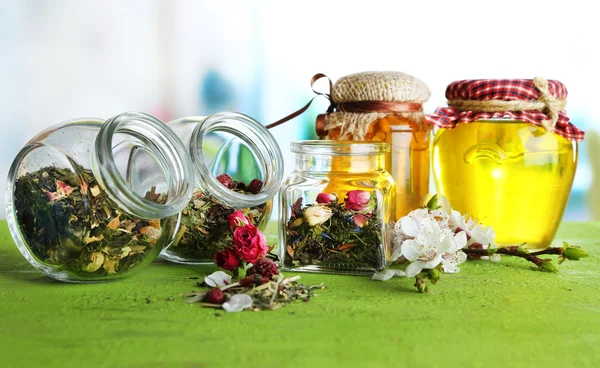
column 361, row 99
column 380, row 86
column 537, row 101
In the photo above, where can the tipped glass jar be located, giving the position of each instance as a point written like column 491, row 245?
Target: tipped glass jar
column 89, row 200
column 238, row 165
column 336, row 218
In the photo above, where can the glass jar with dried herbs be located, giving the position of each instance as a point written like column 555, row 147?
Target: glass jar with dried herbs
column 336, row 208
column 89, row 200
column 238, row 165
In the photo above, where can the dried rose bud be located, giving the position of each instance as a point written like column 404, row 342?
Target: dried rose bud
column 255, row 186
column 226, row 180
column 360, row 220
column 264, row 267
column 215, row 296
column 253, row 280
column 326, row 198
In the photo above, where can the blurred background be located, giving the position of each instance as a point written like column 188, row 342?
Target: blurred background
column 64, row 59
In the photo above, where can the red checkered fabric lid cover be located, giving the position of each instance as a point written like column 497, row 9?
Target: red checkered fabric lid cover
column 503, row 90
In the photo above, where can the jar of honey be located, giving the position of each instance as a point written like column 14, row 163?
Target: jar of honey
column 506, row 154
column 384, row 107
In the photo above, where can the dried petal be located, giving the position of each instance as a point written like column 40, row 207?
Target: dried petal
column 238, row 303
column 217, row 279
column 96, row 261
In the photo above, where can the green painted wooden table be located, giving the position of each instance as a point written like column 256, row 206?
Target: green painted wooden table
column 490, row 314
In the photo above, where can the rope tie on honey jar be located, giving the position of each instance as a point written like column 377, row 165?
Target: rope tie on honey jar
column 359, row 107
column 546, row 103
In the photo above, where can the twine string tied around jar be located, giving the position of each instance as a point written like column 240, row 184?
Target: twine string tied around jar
column 546, row 103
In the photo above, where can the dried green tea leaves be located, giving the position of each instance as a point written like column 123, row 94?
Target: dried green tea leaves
column 335, row 234
column 204, row 227
column 68, row 221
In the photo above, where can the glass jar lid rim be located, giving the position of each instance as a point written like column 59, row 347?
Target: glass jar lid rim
column 346, row 148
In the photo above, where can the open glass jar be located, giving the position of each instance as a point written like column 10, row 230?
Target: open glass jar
column 89, row 200
column 238, row 165
column 336, row 214
column 513, row 169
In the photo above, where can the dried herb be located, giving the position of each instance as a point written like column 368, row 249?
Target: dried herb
column 204, row 227
column 344, row 235
column 69, row 222
column 264, row 294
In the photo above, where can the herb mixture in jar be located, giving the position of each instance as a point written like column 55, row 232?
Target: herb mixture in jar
column 205, row 228
column 332, row 233
column 69, row 222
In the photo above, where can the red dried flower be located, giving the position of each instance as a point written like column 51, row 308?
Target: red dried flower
column 237, row 219
column 227, row 260
column 226, row 180
column 215, row 296
column 249, row 243
column 253, row 280
column 264, row 267
column 255, row 186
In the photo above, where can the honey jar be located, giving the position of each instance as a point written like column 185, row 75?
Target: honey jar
column 506, row 153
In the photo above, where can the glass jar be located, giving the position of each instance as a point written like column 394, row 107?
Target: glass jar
column 89, row 200
column 238, row 165
column 511, row 175
column 336, row 214
column 510, row 169
column 386, row 107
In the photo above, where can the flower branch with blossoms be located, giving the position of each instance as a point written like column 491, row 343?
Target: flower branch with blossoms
column 436, row 239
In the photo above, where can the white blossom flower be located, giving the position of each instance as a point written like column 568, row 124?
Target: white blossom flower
column 428, row 245
column 217, row 279
column 238, row 303
column 476, row 232
column 455, row 257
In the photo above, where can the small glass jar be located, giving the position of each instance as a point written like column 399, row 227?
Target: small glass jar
column 89, row 200
column 508, row 169
column 241, row 148
column 336, row 218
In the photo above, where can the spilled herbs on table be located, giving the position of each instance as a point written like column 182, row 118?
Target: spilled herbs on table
column 68, row 221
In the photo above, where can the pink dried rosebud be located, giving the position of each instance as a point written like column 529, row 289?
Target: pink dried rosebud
column 226, row 180
column 237, row 219
column 360, row 220
column 264, row 267
column 359, row 201
column 215, row 296
column 255, row 186
column 249, row 243
column 227, row 260
column 326, row 198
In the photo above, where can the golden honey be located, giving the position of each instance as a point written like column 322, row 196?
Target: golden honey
column 407, row 161
column 511, row 175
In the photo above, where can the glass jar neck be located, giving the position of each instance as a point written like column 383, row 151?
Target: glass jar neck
column 257, row 139
column 339, row 156
column 165, row 148
column 340, row 163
